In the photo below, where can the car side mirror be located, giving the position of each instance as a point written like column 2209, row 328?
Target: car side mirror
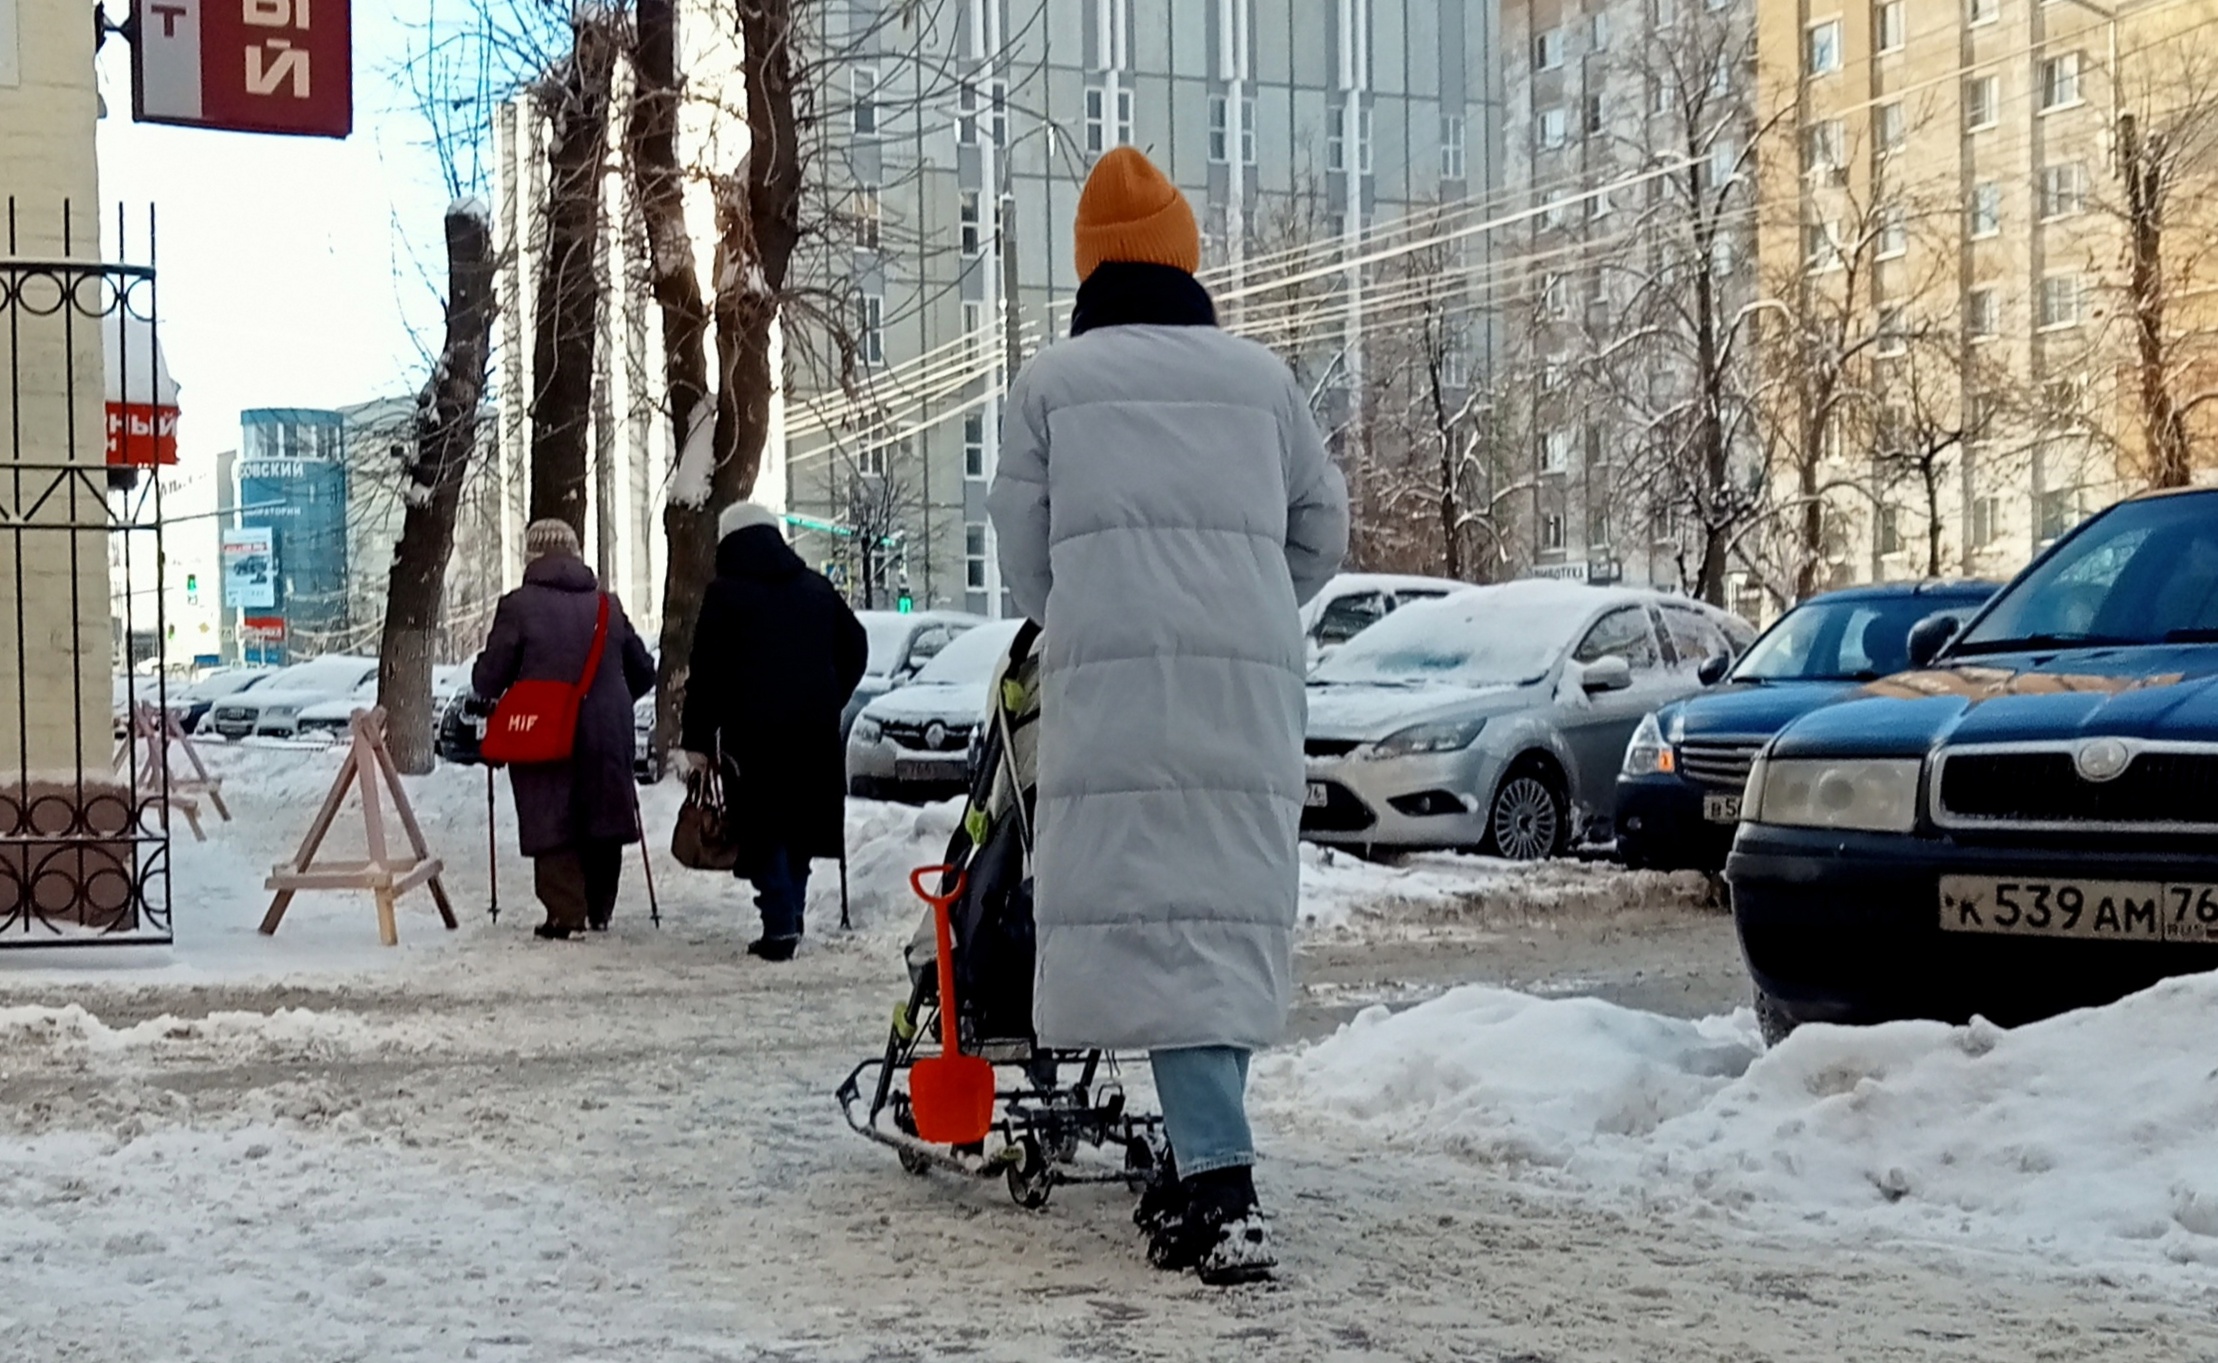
column 1714, row 668
column 1930, row 635
column 1612, row 673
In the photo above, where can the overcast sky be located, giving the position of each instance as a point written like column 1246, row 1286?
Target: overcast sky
column 295, row 272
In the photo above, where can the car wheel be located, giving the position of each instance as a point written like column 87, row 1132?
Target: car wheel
column 1526, row 821
column 1772, row 1020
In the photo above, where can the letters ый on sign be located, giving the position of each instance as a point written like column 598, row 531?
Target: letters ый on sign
column 277, row 66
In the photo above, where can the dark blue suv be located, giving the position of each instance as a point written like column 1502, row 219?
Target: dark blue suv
column 1679, row 793
column 2026, row 825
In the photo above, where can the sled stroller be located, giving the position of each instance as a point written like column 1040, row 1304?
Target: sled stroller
column 1048, row 1105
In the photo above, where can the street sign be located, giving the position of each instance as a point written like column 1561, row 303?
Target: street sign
column 250, row 568
column 1560, row 572
column 265, row 66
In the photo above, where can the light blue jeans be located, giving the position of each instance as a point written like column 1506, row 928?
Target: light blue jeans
column 1204, row 1090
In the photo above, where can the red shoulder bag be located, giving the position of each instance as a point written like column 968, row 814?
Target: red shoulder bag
column 537, row 721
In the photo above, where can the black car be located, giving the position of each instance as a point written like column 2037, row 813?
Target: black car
column 1679, row 793
column 462, row 730
column 2027, row 825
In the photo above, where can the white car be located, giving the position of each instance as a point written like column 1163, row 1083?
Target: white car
column 330, row 719
column 1353, row 602
column 914, row 743
column 900, row 645
column 273, row 708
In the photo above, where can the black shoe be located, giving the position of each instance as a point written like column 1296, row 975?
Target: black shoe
column 1162, row 1200
column 598, row 924
column 553, row 932
column 1221, row 1235
column 774, row 948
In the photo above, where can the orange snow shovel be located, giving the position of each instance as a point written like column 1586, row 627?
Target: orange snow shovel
column 950, row 1095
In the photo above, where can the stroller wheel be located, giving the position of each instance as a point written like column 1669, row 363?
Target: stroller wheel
column 1031, row 1181
column 912, row 1161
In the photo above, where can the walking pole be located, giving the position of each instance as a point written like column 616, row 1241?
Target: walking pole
column 646, row 862
column 843, row 923
column 492, row 847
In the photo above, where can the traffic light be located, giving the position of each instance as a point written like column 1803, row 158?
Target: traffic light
column 907, row 603
column 192, row 589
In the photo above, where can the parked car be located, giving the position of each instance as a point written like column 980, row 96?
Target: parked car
column 646, row 769
column 900, row 646
column 2026, row 824
column 273, row 708
column 1495, row 718
column 914, row 743
column 1353, row 602
column 1679, row 790
column 463, row 713
column 330, row 719
column 194, row 702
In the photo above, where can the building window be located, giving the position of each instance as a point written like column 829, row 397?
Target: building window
column 966, row 114
column 974, row 556
column 1598, row 31
column 1890, row 25
column 1984, row 11
column 1891, row 339
column 1983, row 313
column 1220, row 129
column 1886, row 126
column 872, row 462
column 2063, row 191
column 1555, row 452
column 2060, row 302
column 866, row 217
column 1821, row 247
column 1986, row 209
column 1986, row 520
column 1982, row 102
column 1598, row 527
column 1455, row 360
column 1551, row 531
column 1663, row 13
column 1451, row 147
column 1821, row 48
column 1247, row 130
column 974, row 444
column 870, row 341
column 1889, row 531
column 1824, row 148
column 1098, row 131
column 974, row 330
column 970, row 234
column 1659, row 95
column 1548, row 49
column 2060, row 82
column 1336, row 141
column 1555, row 296
column 865, row 108
column 1894, row 233
column 2059, row 511
column 1551, row 128
column 1593, row 116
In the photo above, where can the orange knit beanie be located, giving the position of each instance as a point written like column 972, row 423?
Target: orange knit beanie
column 1128, row 211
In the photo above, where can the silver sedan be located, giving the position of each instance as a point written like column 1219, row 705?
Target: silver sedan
column 1495, row 719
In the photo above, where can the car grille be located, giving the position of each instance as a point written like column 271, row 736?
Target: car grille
column 1719, row 762
column 1330, row 747
column 953, row 737
column 2160, row 788
column 225, row 714
column 1342, row 812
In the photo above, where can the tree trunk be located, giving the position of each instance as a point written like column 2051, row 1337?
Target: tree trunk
column 1710, row 437
column 653, row 137
column 566, row 332
column 2162, row 428
column 446, row 438
column 758, row 224
column 1932, row 516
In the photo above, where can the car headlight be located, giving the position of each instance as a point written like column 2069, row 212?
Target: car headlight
column 1878, row 795
column 867, row 730
column 280, row 711
column 1647, row 754
column 1448, row 736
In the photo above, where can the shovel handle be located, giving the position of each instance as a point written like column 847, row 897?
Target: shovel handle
column 943, row 930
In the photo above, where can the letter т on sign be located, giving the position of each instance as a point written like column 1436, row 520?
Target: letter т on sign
column 265, row 66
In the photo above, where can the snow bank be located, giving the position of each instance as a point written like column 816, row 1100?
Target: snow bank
column 2086, row 1136
column 292, row 1032
column 1343, row 893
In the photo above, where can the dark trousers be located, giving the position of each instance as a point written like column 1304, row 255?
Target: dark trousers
column 781, row 884
column 578, row 884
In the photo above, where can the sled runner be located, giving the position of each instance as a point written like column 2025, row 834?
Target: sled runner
column 1057, row 1116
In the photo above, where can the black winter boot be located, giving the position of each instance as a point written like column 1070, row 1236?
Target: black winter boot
column 774, row 948
column 1163, row 1199
column 1221, row 1233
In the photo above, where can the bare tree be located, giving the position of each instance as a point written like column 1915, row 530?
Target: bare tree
column 446, row 438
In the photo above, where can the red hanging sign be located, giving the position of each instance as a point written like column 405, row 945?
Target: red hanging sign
column 268, row 66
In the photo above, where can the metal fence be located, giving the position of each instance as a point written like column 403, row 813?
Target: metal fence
column 85, row 813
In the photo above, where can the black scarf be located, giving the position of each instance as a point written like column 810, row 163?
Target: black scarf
column 1121, row 293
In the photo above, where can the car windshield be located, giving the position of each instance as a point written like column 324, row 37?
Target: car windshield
column 336, row 675
column 1843, row 640
column 972, row 657
column 1476, row 638
column 2145, row 572
column 889, row 639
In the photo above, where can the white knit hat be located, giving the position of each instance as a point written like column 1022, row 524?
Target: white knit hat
column 551, row 536
column 744, row 516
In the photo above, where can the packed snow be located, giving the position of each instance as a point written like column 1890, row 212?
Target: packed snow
column 2085, row 1137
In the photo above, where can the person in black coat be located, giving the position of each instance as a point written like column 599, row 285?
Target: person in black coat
column 573, row 818
column 776, row 654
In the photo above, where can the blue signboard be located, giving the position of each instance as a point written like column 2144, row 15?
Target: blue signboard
column 293, row 480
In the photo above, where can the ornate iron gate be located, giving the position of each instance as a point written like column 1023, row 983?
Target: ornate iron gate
column 84, row 812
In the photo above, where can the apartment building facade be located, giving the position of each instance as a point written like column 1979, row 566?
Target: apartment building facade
column 1297, row 128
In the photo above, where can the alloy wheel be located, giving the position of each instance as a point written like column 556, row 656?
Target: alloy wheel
column 1525, row 821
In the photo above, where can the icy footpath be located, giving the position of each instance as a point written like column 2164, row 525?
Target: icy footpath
column 2086, row 1137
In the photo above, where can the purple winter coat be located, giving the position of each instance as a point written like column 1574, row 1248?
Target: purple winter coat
column 542, row 631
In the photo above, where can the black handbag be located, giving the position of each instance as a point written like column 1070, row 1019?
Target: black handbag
column 704, row 839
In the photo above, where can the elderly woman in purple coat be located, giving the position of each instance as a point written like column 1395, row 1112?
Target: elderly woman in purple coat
column 573, row 818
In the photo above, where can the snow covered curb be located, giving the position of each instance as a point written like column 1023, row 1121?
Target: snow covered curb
column 2085, row 1137
column 289, row 1033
